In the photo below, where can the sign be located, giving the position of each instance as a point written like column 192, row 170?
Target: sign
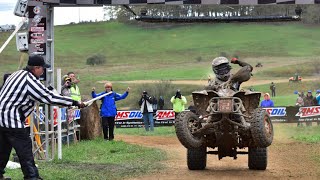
column 134, row 118
column 276, row 111
column 125, row 115
column 165, row 115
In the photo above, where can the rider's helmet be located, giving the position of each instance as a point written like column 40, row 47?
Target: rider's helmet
column 221, row 68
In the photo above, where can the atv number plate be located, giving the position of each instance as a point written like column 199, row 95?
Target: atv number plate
column 225, row 105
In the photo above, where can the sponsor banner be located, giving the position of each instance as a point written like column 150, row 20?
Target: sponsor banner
column 63, row 112
column 73, row 114
column 169, row 122
column 165, row 115
column 276, row 111
column 125, row 115
column 294, row 114
column 129, row 124
column 134, row 123
column 37, row 33
column 133, row 119
column 311, row 111
column 76, row 114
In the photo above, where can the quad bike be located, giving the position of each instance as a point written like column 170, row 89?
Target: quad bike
column 226, row 121
column 294, row 79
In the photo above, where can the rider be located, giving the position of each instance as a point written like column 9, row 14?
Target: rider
column 221, row 69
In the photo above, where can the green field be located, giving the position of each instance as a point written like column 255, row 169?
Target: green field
column 136, row 52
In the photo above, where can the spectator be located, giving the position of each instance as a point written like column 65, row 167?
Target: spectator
column 154, row 103
column 300, row 102
column 318, row 96
column 75, row 91
column 308, row 101
column 161, row 103
column 296, row 76
column 65, row 90
column 178, row 101
column 108, row 109
column 273, row 89
column 5, row 77
column 267, row 102
column 146, row 108
column 318, row 101
column 17, row 99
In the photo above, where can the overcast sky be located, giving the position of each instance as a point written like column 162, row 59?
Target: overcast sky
column 62, row 15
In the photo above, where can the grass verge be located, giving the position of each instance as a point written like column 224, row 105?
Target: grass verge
column 99, row 159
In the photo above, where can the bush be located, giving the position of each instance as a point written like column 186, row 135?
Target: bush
column 199, row 59
column 98, row 59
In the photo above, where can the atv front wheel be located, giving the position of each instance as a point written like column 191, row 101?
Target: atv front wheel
column 258, row 158
column 197, row 158
column 261, row 128
column 185, row 124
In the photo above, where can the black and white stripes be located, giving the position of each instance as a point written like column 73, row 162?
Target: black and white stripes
column 18, row 96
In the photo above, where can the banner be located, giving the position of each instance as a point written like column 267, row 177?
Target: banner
column 133, row 118
column 294, row 114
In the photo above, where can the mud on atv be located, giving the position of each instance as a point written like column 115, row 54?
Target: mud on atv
column 226, row 121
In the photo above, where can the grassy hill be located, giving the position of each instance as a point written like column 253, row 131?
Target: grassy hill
column 137, row 52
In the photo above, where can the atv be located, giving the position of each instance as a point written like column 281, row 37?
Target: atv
column 295, row 79
column 226, row 123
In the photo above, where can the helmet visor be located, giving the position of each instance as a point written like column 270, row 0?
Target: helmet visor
column 222, row 69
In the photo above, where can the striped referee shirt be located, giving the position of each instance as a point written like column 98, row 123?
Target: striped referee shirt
column 18, row 96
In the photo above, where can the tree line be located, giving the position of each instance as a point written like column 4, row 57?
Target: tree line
column 310, row 13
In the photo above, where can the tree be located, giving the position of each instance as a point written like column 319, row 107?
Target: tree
column 97, row 59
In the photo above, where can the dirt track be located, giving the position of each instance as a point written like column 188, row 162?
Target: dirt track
column 287, row 160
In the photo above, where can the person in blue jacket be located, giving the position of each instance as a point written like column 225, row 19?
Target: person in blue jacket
column 108, row 109
column 267, row 102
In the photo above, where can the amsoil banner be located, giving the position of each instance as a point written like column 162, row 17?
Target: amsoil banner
column 290, row 114
column 133, row 119
column 294, row 114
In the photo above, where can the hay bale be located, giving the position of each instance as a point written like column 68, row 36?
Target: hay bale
column 90, row 122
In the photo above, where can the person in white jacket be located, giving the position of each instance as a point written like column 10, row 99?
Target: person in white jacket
column 146, row 108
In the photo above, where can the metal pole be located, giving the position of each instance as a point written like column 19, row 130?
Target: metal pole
column 59, row 135
column 59, row 116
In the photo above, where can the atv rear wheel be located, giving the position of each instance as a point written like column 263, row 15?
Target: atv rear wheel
column 197, row 158
column 258, row 158
column 186, row 123
column 261, row 128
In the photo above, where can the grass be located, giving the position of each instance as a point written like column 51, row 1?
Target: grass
column 308, row 134
column 99, row 159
